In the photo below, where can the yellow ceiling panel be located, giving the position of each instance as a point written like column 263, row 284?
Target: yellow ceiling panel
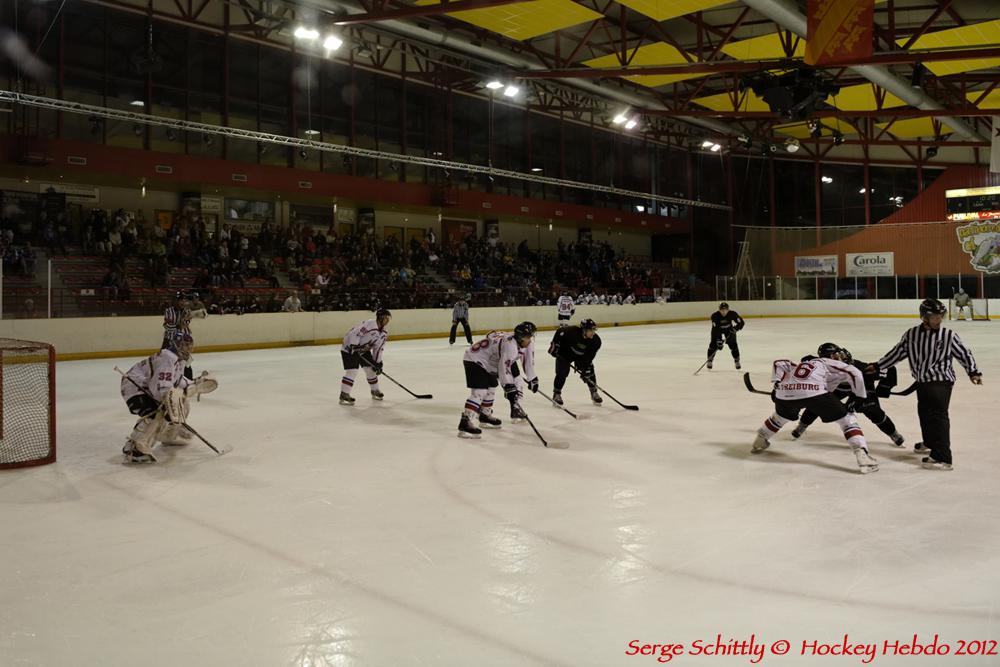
column 723, row 102
column 862, row 98
column 661, row 10
column 912, row 128
column 757, row 48
column 526, row 19
column 978, row 34
column 650, row 55
column 991, row 101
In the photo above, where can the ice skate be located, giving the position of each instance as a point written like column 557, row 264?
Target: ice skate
column 737, row 362
column 377, row 395
column 798, row 431
column 467, row 430
column 897, row 439
column 866, row 463
column 489, row 421
column 920, row 448
column 517, row 415
column 345, row 399
column 760, row 444
column 929, row 463
column 595, row 396
column 133, row 456
column 709, row 365
column 557, row 397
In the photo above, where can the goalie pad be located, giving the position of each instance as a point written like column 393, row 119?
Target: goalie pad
column 174, row 434
column 204, row 384
column 176, row 406
column 146, row 432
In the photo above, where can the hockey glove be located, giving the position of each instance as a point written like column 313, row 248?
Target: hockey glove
column 587, row 374
column 720, row 343
column 203, row 384
column 511, row 392
column 554, row 349
column 367, row 360
column 533, row 385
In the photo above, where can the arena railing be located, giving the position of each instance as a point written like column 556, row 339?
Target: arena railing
column 896, row 286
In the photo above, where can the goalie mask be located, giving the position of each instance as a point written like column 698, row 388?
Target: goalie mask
column 182, row 344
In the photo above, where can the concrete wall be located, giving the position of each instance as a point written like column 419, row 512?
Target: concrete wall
column 132, row 336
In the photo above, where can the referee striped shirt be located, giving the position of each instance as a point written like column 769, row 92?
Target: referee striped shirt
column 176, row 319
column 930, row 353
column 460, row 311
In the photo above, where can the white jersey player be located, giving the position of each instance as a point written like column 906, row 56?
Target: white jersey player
column 565, row 308
column 157, row 391
column 809, row 385
column 488, row 362
column 363, row 346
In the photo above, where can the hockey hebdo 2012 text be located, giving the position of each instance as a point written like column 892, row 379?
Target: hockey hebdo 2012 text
column 755, row 649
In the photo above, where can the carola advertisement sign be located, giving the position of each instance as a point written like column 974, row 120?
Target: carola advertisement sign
column 869, row 264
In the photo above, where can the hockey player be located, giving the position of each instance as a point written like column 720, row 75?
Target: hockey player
column 177, row 317
column 157, row 391
column 487, row 363
column 565, row 308
column 460, row 314
column 808, row 384
column 576, row 345
column 725, row 324
column 363, row 346
column 962, row 300
column 869, row 406
column 524, row 372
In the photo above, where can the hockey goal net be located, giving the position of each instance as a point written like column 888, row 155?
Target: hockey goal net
column 27, row 403
column 977, row 309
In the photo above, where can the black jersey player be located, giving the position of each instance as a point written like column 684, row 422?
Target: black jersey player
column 868, row 406
column 725, row 324
column 576, row 345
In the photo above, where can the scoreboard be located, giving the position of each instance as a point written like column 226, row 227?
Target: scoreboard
column 973, row 203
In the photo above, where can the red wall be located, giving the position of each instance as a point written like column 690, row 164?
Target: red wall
column 216, row 173
column 929, row 205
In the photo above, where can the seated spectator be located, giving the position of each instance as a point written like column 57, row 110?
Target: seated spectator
column 28, row 310
column 292, row 303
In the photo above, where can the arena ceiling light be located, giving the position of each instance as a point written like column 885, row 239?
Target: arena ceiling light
column 309, row 34
column 494, row 85
column 137, row 103
column 792, row 145
column 536, row 169
column 631, row 123
column 332, row 43
column 511, row 90
column 707, row 143
column 312, row 132
column 827, row 179
column 621, row 118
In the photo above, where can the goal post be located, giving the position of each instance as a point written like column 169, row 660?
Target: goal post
column 977, row 310
column 27, row 403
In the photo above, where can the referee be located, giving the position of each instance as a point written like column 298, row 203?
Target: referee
column 460, row 314
column 930, row 348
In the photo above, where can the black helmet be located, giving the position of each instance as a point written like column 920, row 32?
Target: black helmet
column 846, row 356
column 524, row 330
column 827, row 350
column 932, row 307
column 723, row 305
column 181, row 295
column 382, row 313
column 588, row 324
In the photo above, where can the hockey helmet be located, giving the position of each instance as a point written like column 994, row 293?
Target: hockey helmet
column 932, row 307
column 181, row 343
column 524, row 330
column 828, row 351
column 723, row 305
column 382, row 316
column 846, row 356
column 588, row 324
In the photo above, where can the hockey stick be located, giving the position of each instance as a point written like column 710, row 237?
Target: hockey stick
column 702, row 366
column 906, row 392
column 750, row 387
column 184, row 424
column 390, row 378
column 594, row 384
column 567, row 411
column 552, row 445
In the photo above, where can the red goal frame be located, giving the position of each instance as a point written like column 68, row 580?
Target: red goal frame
column 51, row 375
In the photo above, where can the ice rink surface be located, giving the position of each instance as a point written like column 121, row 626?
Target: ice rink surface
column 372, row 535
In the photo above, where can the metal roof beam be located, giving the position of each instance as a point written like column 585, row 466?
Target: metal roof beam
column 424, row 10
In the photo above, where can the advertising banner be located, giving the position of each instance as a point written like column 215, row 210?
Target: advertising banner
column 816, row 266
column 869, row 264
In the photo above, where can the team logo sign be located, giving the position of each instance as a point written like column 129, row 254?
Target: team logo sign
column 982, row 241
